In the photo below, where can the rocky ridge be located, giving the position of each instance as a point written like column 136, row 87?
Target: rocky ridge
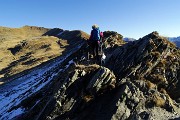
column 140, row 80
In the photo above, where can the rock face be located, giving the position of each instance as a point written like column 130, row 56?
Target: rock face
column 149, row 69
column 140, row 80
column 112, row 38
column 77, row 93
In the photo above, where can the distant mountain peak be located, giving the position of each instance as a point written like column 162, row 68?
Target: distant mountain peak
column 176, row 40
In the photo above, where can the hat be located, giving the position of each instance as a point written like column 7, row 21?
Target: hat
column 95, row 26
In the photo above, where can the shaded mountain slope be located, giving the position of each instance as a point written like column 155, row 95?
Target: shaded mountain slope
column 54, row 32
column 23, row 87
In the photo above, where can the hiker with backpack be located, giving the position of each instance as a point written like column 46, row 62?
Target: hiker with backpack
column 94, row 41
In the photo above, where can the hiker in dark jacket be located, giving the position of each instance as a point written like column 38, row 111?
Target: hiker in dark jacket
column 94, row 41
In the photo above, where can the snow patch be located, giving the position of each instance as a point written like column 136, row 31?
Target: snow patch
column 60, row 33
column 13, row 94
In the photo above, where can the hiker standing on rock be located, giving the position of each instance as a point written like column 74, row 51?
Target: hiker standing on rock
column 94, row 41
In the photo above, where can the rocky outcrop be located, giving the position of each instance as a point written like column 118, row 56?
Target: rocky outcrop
column 77, row 90
column 151, row 67
column 112, row 39
column 152, row 58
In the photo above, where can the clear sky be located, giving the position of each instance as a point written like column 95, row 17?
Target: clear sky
column 131, row 18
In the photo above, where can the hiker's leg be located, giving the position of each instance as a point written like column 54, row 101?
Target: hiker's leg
column 97, row 51
column 93, row 50
column 90, row 51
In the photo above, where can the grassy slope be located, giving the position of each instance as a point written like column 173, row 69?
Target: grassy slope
column 24, row 48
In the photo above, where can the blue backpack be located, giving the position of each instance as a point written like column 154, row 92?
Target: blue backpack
column 96, row 34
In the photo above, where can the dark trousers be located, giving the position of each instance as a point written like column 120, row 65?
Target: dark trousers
column 94, row 49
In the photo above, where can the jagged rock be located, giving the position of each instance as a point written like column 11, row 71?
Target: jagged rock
column 81, row 87
column 101, row 80
column 154, row 60
column 112, row 39
column 145, row 56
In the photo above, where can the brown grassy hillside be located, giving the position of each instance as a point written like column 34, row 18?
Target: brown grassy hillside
column 17, row 34
column 26, row 47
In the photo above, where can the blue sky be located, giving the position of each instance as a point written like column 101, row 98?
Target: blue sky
column 131, row 18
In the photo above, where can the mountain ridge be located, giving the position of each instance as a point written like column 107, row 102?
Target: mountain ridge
column 139, row 80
